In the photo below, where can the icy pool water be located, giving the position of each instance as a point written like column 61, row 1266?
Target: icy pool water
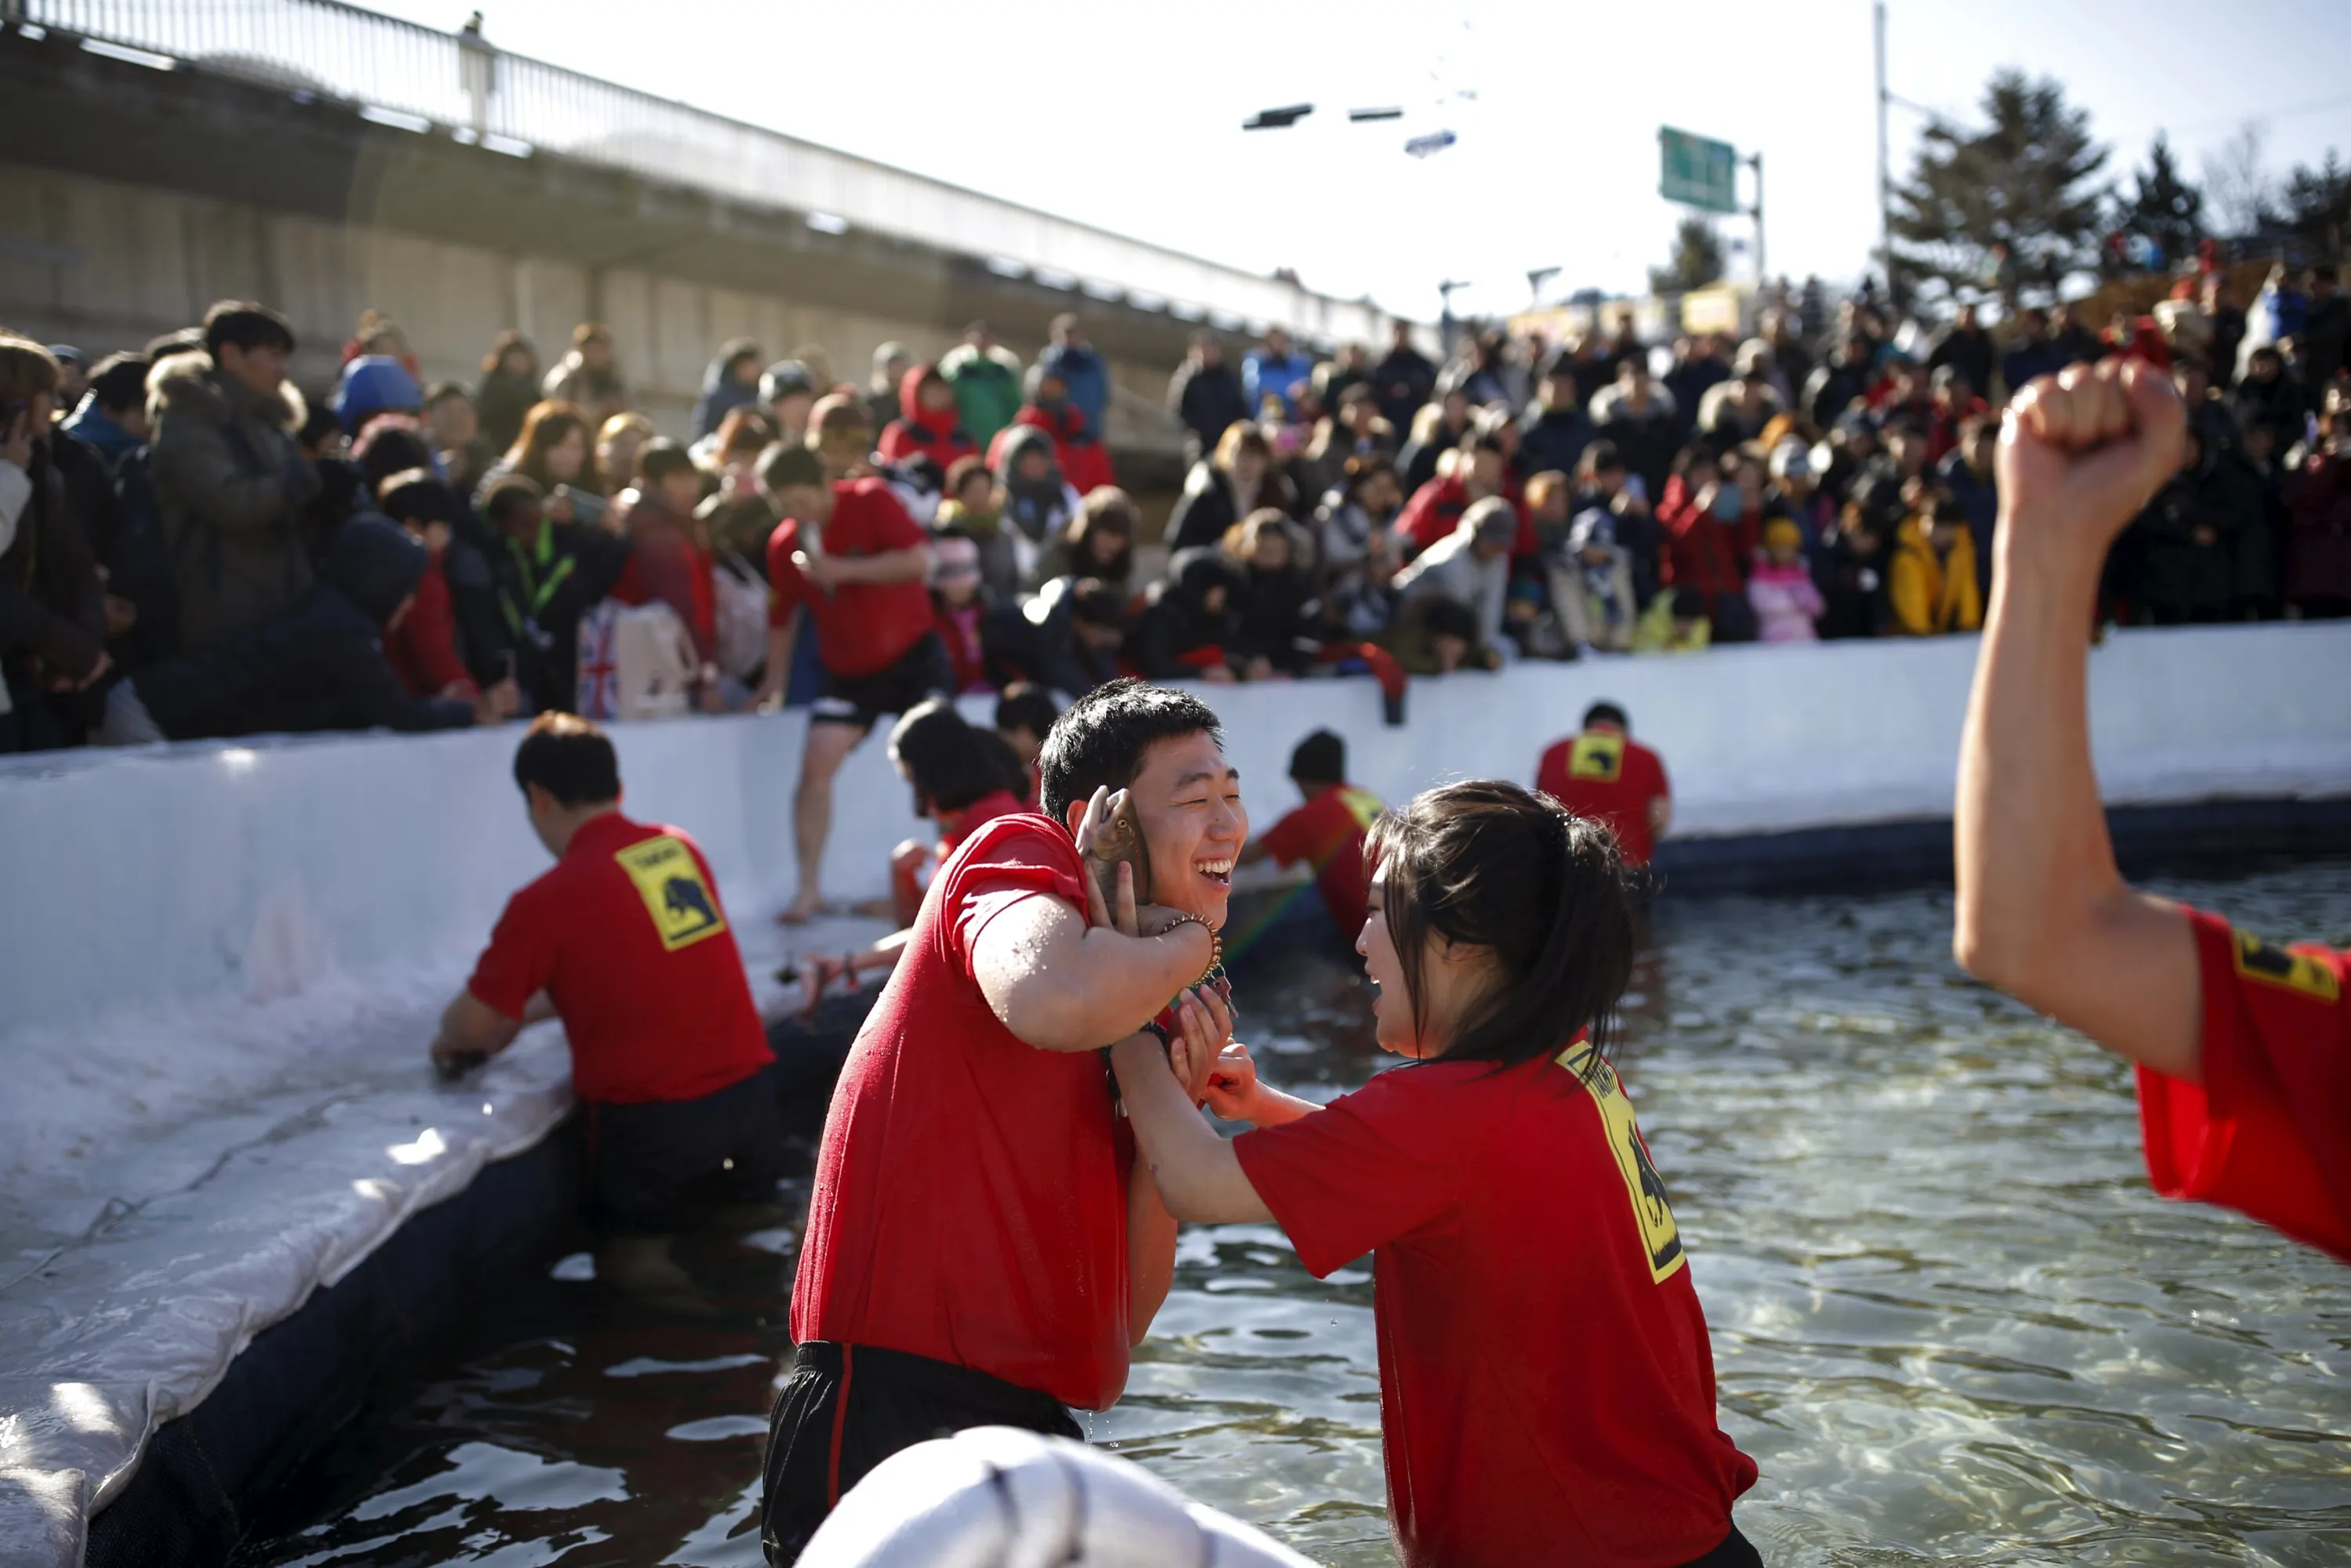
column 1950, row 1321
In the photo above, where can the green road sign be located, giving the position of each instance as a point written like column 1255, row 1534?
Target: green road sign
column 1697, row 171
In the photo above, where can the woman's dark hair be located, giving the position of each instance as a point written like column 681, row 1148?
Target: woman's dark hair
column 390, row 444
column 504, row 344
column 416, row 497
column 569, row 758
column 960, row 472
column 950, row 764
column 1110, row 512
column 743, row 435
column 1100, row 739
column 662, row 457
column 1364, row 468
column 1489, row 864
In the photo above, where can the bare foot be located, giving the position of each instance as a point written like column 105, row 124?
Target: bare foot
column 874, row 909
column 803, row 909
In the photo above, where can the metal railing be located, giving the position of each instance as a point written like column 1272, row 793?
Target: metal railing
column 405, row 74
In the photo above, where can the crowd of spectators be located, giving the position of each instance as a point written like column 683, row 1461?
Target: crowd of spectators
column 188, row 548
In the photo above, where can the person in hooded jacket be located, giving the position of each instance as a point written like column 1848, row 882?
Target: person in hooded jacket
column 1227, row 486
column 1084, row 375
column 973, row 505
column 230, row 483
column 1038, row 501
column 930, row 424
column 731, row 380
column 319, row 665
column 1077, row 440
column 1205, row 395
column 52, row 614
column 1273, row 595
column 1557, row 429
column 508, row 388
column 986, row 376
column 1188, row 627
column 374, row 384
column 1404, row 378
column 422, row 647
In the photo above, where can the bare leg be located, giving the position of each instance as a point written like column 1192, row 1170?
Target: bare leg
column 828, row 746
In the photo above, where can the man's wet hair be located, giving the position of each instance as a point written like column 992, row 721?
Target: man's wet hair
column 1490, row 865
column 246, row 325
column 569, row 758
column 1027, row 706
column 1100, row 741
column 1607, row 713
column 1320, row 759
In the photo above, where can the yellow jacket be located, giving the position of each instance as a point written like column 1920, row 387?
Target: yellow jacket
column 1933, row 593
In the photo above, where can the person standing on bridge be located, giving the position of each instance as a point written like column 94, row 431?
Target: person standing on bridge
column 2244, row 1048
column 626, row 941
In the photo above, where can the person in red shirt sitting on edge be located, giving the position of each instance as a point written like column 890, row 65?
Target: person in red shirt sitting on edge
column 1546, row 1382
column 1604, row 774
column 847, row 553
column 626, row 942
column 2244, row 1048
column 1327, row 832
column 980, row 1249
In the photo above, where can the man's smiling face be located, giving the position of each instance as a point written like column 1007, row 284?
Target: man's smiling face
column 1187, row 799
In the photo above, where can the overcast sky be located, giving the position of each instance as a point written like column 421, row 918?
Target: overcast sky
column 1128, row 115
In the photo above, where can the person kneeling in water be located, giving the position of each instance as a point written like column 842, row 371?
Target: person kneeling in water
column 626, row 942
column 1546, row 1382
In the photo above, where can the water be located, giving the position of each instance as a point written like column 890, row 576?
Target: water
column 1950, row 1321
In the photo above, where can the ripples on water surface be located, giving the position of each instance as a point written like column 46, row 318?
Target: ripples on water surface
column 1950, row 1321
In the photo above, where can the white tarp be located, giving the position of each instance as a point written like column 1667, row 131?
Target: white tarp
column 219, row 965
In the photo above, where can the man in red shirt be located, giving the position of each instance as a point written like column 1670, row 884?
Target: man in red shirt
column 2244, row 1048
column 626, row 942
column 847, row 553
column 979, row 1249
column 1327, row 832
column 1604, row 774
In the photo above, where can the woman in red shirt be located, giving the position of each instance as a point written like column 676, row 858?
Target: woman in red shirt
column 1546, row 1382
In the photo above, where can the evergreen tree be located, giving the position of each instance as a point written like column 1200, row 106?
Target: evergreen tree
column 1696, row 261
column 2026, row 182
column 2167, row 209
column 2315, row 203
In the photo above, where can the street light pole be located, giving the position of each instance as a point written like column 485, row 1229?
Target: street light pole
column 1885, row 182
column 1757, row 214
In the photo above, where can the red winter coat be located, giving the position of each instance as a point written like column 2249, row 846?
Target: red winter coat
column 1702, row 556
column 424, row 647
column 1084, row 460
column 937, row 434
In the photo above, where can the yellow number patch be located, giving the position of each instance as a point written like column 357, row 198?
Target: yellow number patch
column 1599, row 757
column 1661, row 1239
column 1364, row 806
column 683, row 907
column 2275, row 965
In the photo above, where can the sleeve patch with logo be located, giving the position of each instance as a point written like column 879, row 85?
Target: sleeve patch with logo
column 677, row 895
column 2273, row 966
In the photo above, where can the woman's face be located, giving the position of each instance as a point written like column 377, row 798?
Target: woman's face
column 516, row 362
column 1249, row 465
column 1103, row 546
column 568, row 457
column 617, row 456
column 1212, row 603
column 1272, row 552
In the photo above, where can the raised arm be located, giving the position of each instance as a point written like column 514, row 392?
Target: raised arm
column 1062, row 985
column 2042, row 913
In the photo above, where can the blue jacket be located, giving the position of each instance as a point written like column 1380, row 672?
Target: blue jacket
column 1262, row 373
column 94, row 427
column 1083, row 372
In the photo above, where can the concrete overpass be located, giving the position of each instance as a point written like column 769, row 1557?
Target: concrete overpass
column 155, row 156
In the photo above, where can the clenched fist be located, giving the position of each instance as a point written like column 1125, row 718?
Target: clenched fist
column 2080, row 453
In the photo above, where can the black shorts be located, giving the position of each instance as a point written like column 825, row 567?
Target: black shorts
column 1736, row 1552
column 663, row 1165
column 844, row 1408
column 923, row 671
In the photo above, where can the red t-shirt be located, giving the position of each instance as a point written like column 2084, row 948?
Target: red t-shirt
column 1546, row 1382
column 970, row 1200
column 628, row 938
column 1603, row 774
column 2267, row 1132
column 861, row 628
column 1327, row 833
